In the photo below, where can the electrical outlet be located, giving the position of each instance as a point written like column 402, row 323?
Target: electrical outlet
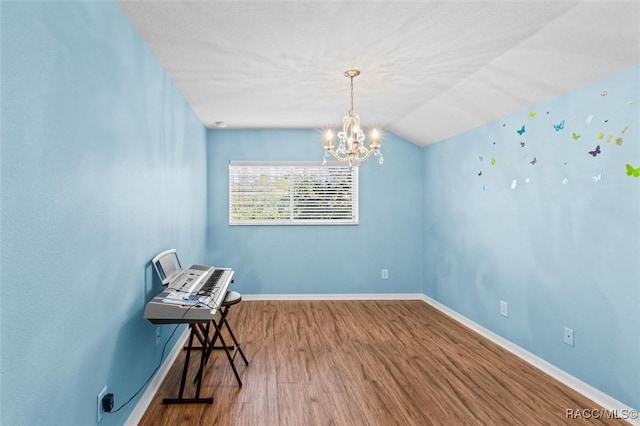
column 157, row 336
column 101, row 395
column 385, row 274
column 568, row 336
column 503, row 308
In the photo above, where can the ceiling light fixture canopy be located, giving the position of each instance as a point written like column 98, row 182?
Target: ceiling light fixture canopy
column 351, row 147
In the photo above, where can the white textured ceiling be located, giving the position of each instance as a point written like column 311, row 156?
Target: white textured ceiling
column 430, row 69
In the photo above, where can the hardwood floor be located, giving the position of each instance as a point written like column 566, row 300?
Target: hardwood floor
column 366, row 363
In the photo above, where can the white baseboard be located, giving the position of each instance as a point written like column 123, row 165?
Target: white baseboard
column 336, row 296
column 567, row 379
column 142, row 405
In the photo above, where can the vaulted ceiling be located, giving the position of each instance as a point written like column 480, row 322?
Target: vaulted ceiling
column 430, row 69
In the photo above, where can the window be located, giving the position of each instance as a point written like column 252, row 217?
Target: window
column 292, row 193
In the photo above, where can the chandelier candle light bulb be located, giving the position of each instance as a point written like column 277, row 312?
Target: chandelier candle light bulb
column 351, row 147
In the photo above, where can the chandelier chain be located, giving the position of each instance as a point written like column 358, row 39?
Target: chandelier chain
column 351, row 93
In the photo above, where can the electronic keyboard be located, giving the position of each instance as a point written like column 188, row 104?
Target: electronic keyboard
column 193, row 295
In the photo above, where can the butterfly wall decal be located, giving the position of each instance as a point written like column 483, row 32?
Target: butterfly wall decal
column 589, row 119
column 598, row 177
column 633, row 171
column 521, row 131
column 595, row 151
column 534, row 161
column 559, row 126
column 575, row 137
column 522, row 144
column 493, row 161
column 532, row 114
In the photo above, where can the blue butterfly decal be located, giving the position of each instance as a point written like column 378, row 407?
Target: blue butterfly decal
column 521, row 131
column 595, row 151
column 559, row 126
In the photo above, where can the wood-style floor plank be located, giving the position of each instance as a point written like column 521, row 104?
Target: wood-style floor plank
column 366, row 363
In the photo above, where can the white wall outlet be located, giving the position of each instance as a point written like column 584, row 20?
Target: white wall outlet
column 568, row 336
column 385, row 274
column 503, row 308
column 101, row 395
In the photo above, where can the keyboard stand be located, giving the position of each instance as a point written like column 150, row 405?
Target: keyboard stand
column 201, row 332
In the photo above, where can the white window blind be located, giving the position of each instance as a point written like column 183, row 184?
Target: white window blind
column 292, row 193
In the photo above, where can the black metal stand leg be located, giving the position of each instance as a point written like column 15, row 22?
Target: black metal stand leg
column 216, row 335
column 226, row 351
column 235, row 341
column 202, row 338
column 185, row 367
column 180, row 399
column 203, row 355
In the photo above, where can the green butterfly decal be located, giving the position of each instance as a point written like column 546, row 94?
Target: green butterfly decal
column 493, row 161
column 575, row 137
column 633, row 171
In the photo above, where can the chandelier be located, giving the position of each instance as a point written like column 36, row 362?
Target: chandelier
column 351, row 147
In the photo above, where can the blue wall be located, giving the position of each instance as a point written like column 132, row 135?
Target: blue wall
column 91, row 128
column 563, row 247
column 311, row 259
